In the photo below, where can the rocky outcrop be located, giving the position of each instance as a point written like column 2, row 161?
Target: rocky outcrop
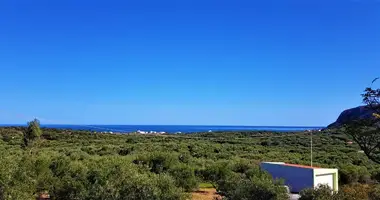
column 360, row 112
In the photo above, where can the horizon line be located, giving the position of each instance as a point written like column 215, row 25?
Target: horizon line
column 164, row 125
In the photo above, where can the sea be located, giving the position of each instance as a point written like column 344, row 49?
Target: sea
column 176, row 128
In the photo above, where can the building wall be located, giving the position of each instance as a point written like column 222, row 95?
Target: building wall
column 328, row 171
column 296, row 178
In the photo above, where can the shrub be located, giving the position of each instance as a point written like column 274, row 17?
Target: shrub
column 322, row 192
column 215, row 172
column 184, row 177
column 374, row 194
column 241, row 166
column 2, row 192
column 49, row 136
column 7, row 169
column 157, row 162
column 107, row 150
column 238, row 187
column 348, row 192
column 349, row 174
column 355, row 191
column 265, row 143
column 125, row 182
column 184, row 157
column 126, row 151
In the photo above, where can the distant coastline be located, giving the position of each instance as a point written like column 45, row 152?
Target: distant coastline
column 174, row 128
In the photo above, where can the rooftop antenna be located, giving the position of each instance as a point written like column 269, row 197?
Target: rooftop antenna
column 311, row 148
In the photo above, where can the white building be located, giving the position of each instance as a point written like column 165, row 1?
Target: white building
column 299, row 177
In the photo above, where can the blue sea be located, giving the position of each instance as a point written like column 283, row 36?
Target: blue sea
column 177, row 128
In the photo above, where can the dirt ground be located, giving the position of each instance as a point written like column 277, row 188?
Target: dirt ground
column 205, row 194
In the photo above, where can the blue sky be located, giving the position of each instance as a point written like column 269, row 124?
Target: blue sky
column 209, row 62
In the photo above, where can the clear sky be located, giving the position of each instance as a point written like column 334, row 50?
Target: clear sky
column 200, row 62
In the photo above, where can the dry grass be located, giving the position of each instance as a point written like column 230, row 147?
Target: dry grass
column 205, row 194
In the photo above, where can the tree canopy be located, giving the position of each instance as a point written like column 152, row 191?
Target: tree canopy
column 366, row 132
column 70, row 164
column 32, row 132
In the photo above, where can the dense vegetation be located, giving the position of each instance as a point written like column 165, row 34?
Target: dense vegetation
column 71, row 164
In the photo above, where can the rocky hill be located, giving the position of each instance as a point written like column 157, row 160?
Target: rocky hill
column 360, row 112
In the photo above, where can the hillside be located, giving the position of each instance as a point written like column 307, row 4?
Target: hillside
column 360, row 112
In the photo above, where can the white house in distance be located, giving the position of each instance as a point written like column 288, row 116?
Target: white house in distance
column 299, row 177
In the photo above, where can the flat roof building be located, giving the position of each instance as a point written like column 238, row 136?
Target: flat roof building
column 299, row 177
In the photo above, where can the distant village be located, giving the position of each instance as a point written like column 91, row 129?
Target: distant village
column 138, row 132
column 163, row 132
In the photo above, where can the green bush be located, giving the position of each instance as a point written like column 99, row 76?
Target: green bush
column 126, row 151
column 241, row 166
column 347, row 192
column 374, row 194
column 215, row 172
column 97, row 178
column 322, row 192
column 184, row 177
column 354, row 192
column 122, row 182
column 237, row 187
column 349, row 174
column 157, row 162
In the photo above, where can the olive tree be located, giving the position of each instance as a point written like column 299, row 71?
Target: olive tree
column 371, row 98
column 32, row 132
column 366, row 132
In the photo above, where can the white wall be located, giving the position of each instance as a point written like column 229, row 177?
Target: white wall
column 332, row 183
column 318, row 171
